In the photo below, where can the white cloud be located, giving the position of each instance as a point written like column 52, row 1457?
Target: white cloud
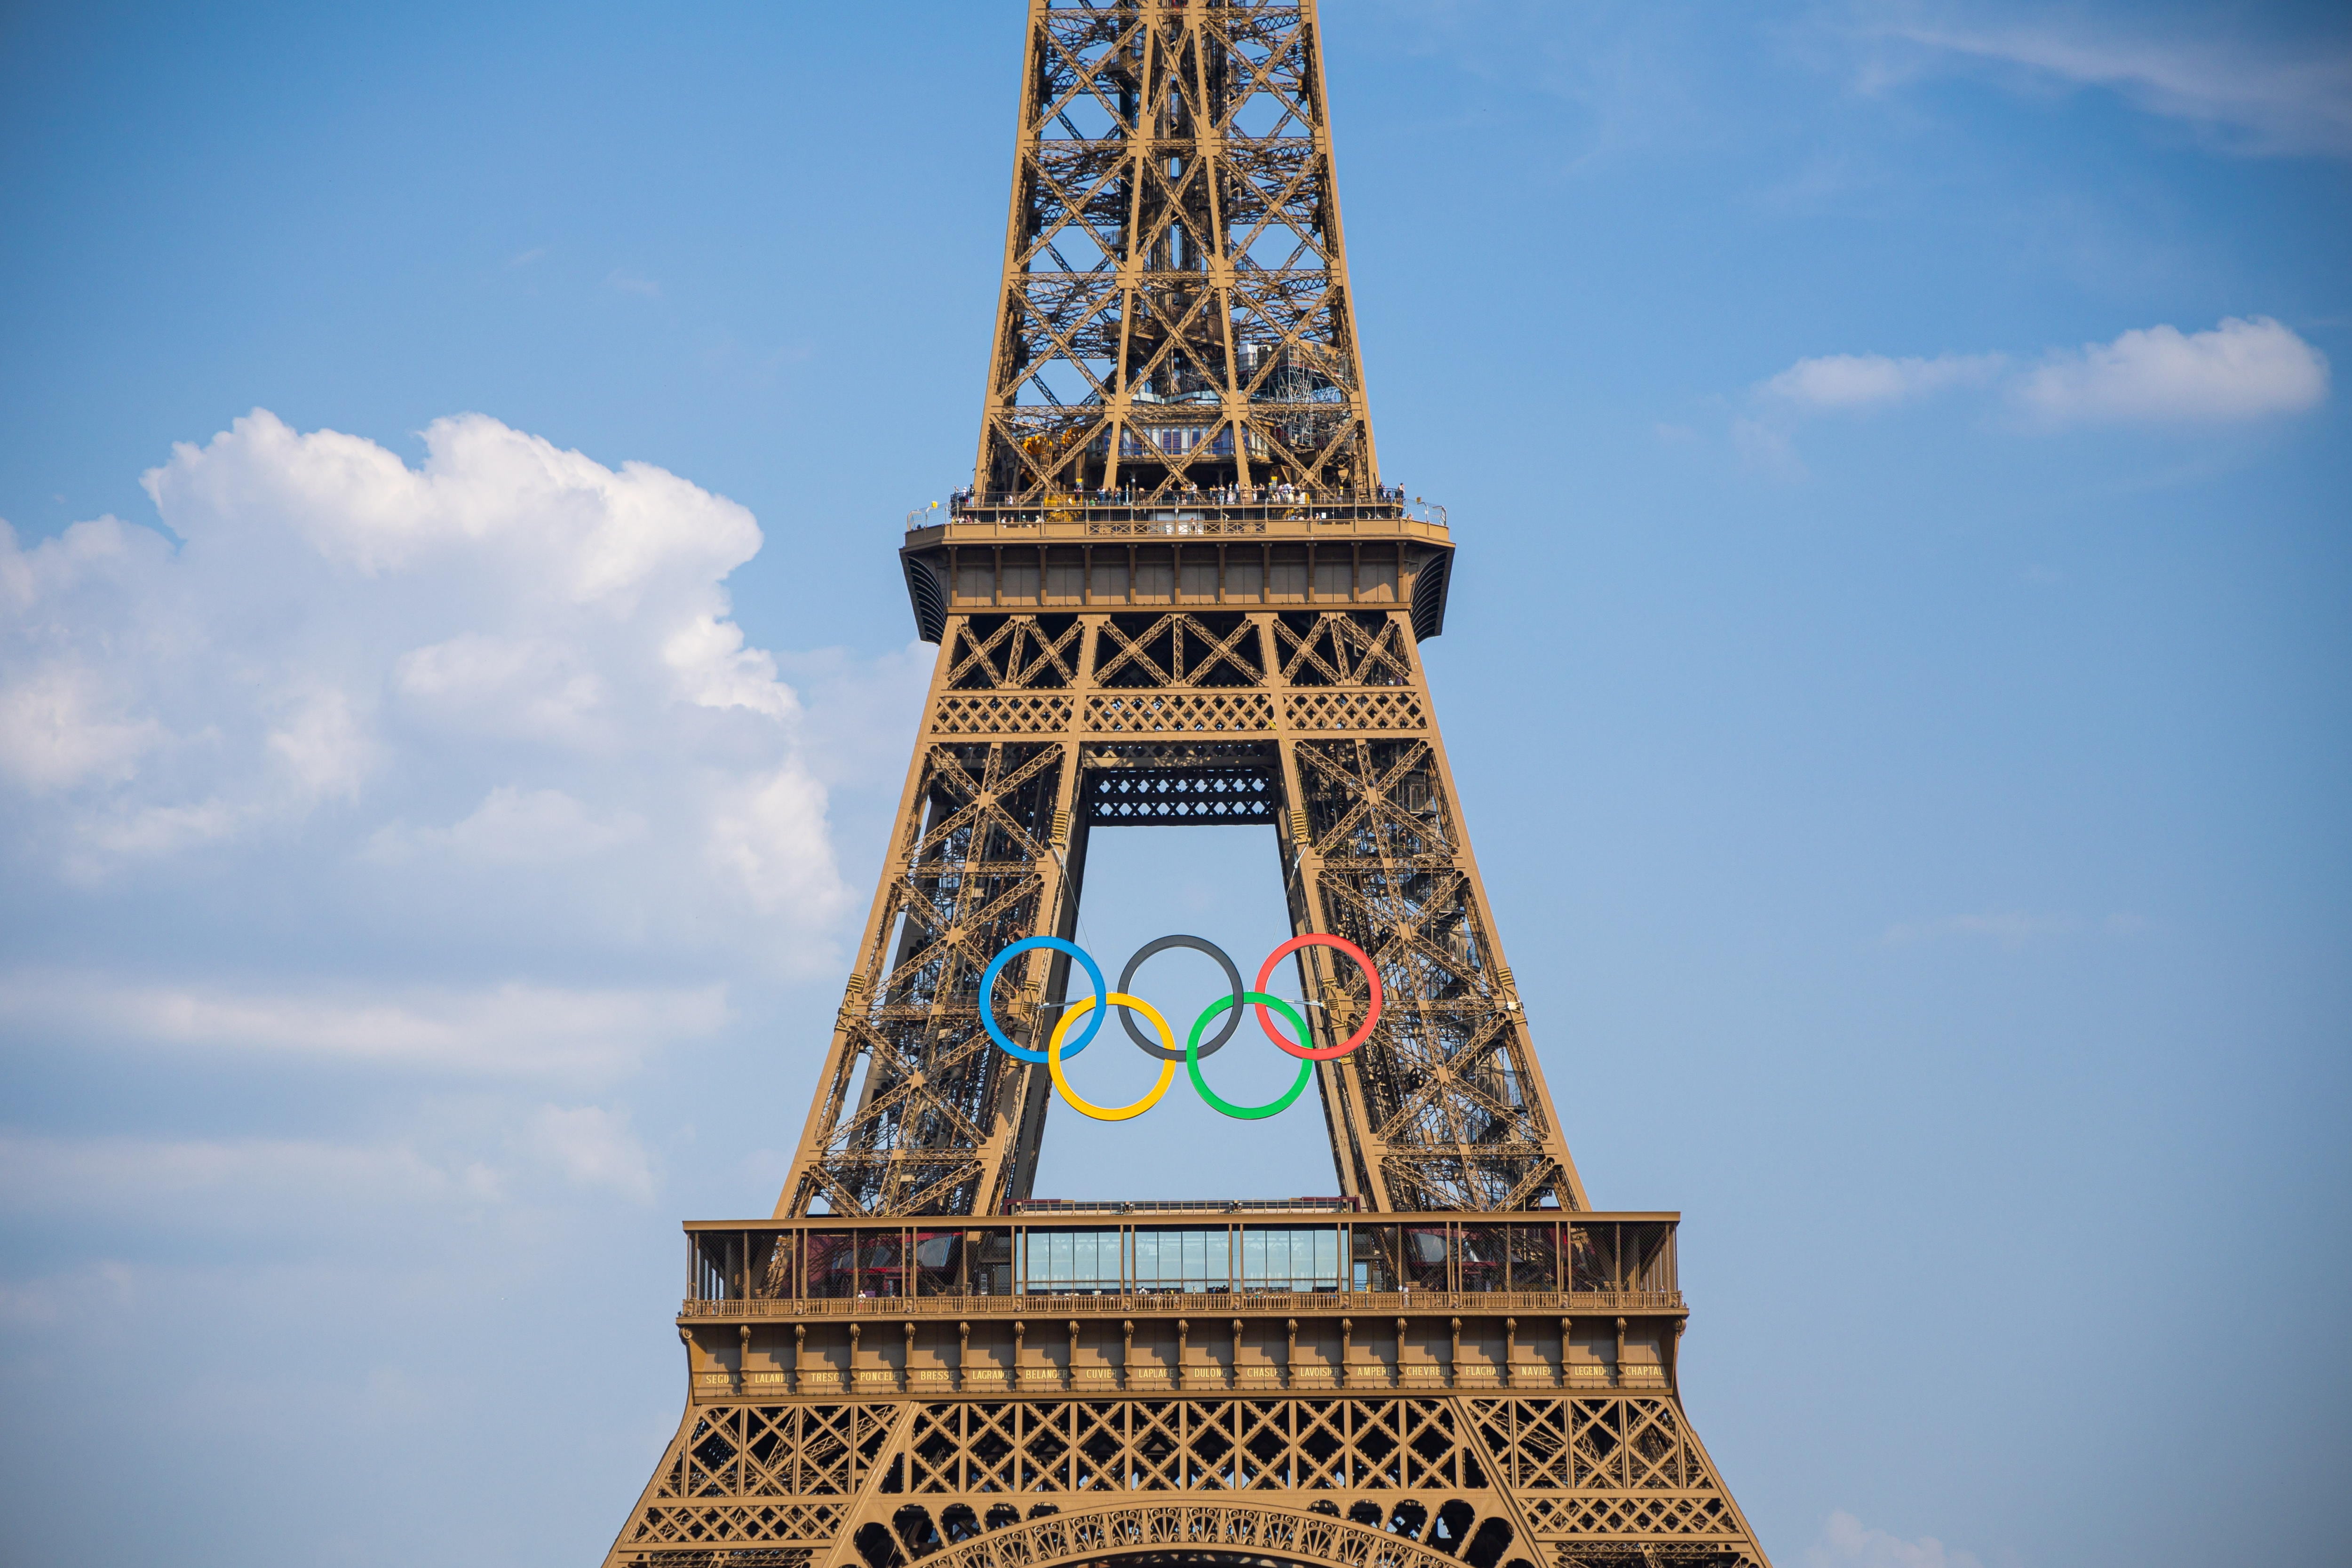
column 506, row 1031
column 153, row 830
column 487, row 496
column 760, row 838
column 524, row 688
column 322, row 744
column 2281, row 99
column 1766, row 448
column 43, row 1302
column 2240, row 369
column 1863, row 381
column 715, row 669
column 1846, row 1543
column 237, row 1184
column 508, row 656
column 54, row 732
column 234, row 1182
column 513, row 828
column 592, row 1147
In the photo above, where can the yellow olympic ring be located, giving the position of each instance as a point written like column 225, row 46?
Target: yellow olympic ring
column 1121, row 1112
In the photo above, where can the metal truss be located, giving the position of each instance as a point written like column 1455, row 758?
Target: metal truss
column 1367, row 1482
column 1176, row 592
column 1233, row 795
column 1174, row 312
column 926, row 1130
column 1319, row 721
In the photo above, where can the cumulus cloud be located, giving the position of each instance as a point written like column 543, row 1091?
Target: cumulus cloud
column 55, row 731
column 513, row 828
column 1846, row 1543
column 509, row 655
column 1864, row 380
column 2240, row 369
column 443, row 792
column 530, row 689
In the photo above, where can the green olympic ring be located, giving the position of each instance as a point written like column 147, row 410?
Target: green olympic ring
column 1193, row 1058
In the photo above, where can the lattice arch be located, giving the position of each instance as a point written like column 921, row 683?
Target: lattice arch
column 1368, row 1483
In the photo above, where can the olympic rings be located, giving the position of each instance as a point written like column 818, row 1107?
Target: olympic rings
column 1167, row 1066
column 1192, row 1055
column 1059, row 1048
column 1371, row 977
column 1198, row 944
column 988, row 984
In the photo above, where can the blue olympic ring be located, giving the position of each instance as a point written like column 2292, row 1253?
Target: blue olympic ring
column 988, row 986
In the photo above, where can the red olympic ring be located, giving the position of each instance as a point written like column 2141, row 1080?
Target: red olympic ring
column 1364, row 1033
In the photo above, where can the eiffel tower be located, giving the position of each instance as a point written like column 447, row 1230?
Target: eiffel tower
column 1177, row 591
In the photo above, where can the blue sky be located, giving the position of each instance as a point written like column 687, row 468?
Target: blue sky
column 453, row 682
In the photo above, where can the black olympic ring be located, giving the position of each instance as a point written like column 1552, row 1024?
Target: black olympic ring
column 1198, row 944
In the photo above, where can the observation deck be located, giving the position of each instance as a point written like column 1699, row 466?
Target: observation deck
column 982, row 553
column 1111, row 515
column 1171, row 1298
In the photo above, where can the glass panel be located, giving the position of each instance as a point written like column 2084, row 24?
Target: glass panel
column 1373, row 1248
column 1071, row 1262
column 832, row 1263
column 939, row 1263
column 1649, row 1256
column 1191, row 1261
column 771, row 1264
column 1535, row 1263
column 1482, row 1249
column 992, row 1263
column 1424, row 1257
column 1593, row 1250
column 1290, row 1258
column 881, row 1264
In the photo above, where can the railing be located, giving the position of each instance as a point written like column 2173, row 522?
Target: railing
column 832, row 1382
column 1324, row 1303
column 1229, row 511
column 1339, row 1204
column 1316, row 1256
column 998, row 1381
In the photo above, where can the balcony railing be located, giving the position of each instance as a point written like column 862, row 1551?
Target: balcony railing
column 1143, row 1258
column 1186, row 1206
column 1230, row 511
column 1325, row 1303
column 882, row 1380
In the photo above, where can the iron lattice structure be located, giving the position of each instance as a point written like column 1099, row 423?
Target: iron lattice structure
column 1045, row 723
column 1175, row 311
column 1178, row 593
